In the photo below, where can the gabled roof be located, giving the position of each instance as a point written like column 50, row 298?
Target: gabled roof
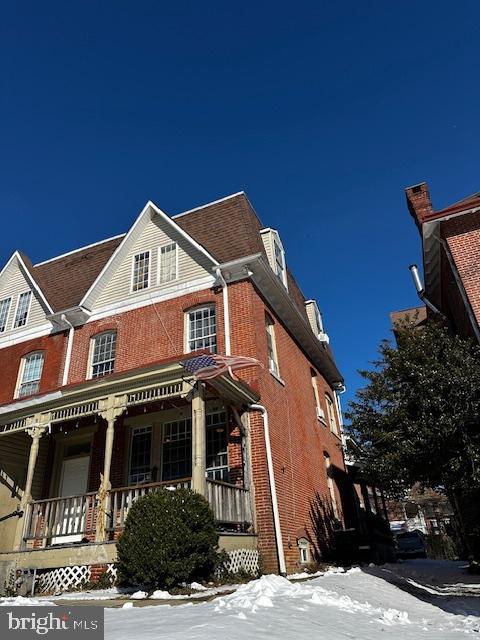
column 66, row 279
column 226, row 229
column 26, row 268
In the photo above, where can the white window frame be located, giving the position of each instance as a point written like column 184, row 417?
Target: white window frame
column 91, row 364
column 132, row 277
column 21, row 373
column 8, row 302
column 272, row 353
column 332, row 419
column 304, row 550
column 282, row 275
column 14, row 321
column 318, row 407
column 159, row 269
column 188, row 340
column 133, row 432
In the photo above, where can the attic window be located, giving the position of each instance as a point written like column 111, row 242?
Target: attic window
column 4, row 309
column 279, row 262
column 141, row 271
column 23, row 307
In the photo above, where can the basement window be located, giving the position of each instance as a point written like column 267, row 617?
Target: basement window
column 304, row 550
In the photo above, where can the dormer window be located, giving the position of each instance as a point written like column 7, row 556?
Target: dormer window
column 141, row 271
column 4, row 309
column 279, row 262
column 168, row 263
column 23, row 307
column 275, row 254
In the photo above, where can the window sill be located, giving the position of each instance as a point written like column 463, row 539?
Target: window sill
column 277, row 377
column 322, row 421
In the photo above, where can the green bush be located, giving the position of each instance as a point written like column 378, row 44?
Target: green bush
column 169, row 538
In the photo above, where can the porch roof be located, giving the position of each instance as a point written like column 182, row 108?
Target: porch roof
column 157, row 381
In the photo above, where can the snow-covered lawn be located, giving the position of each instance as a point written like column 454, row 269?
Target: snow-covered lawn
column 336, row 605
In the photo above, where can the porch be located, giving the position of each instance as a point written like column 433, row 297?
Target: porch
column 63, row 520
column 100, row 446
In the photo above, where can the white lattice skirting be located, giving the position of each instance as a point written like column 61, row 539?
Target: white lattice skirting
column 63, row 579
column 243, row 560
column 66, row 578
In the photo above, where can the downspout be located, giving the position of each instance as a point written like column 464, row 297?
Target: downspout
column 226, row 310
column 421, row 291
column 273, row 491
column 68, row 355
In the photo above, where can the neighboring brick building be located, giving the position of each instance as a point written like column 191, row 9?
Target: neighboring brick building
column 451, row 255
column 96, row 403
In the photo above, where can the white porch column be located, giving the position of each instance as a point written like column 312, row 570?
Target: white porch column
column 112, row 409
column 36, row 431
column 199, row 450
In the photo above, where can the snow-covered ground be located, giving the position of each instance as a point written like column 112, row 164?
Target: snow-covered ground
column 336, row 605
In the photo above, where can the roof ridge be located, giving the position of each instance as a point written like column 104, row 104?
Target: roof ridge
column 88, row 246
column 209, row 204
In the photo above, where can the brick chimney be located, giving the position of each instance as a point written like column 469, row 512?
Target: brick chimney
column 419, row 203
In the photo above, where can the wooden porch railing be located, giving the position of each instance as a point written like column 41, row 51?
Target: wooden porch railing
column 58, row 520
column 120, row 500
column 70, row 519
column 230, row 504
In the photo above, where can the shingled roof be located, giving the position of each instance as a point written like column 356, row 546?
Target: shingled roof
column 65, row 280
column 228, row 229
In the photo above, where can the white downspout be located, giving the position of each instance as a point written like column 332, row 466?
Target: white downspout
column 273, row 491
column 68, row 355
column 226, row 310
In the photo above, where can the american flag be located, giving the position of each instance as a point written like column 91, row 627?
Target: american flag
column 209, row 366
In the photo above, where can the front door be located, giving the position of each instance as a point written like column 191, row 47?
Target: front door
column 71, row 511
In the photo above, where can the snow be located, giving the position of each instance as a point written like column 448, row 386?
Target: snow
column 361, row 604
column 351, row 604
column 20, row 601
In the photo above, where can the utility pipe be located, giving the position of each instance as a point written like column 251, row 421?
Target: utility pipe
column 421, row 291
column 226, row 310
column 68, row 355
column 273, row 491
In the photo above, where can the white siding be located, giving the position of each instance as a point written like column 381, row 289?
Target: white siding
column 192, row 265
column 312, row 316
column 12, row 284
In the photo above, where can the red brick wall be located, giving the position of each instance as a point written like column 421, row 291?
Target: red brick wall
column 141, row 336
column 10, row 358
column 298, row 439
column 463, row 237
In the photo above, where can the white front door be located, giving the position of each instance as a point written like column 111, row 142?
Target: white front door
column 71, row 512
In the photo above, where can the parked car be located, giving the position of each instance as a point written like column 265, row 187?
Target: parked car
column 410, row 544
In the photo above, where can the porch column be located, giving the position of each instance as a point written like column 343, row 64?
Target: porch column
column 36, row 431
column 113, row 408
column 199, row 449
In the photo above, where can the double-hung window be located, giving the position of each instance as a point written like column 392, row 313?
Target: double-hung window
column 217, row 446
column 141, row 271
column 23, row 307
column 30, row 374
column 331, row 415
column 331, row 485
column 271, row 346
column 103, row 354
column 140, row 450
column 4, row 310
column 202, row 329
column 167, row 263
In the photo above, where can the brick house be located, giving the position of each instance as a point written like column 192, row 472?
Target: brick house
column 451, row 254
column 96, row 407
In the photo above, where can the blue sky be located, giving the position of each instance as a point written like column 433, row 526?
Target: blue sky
column 322, row 112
